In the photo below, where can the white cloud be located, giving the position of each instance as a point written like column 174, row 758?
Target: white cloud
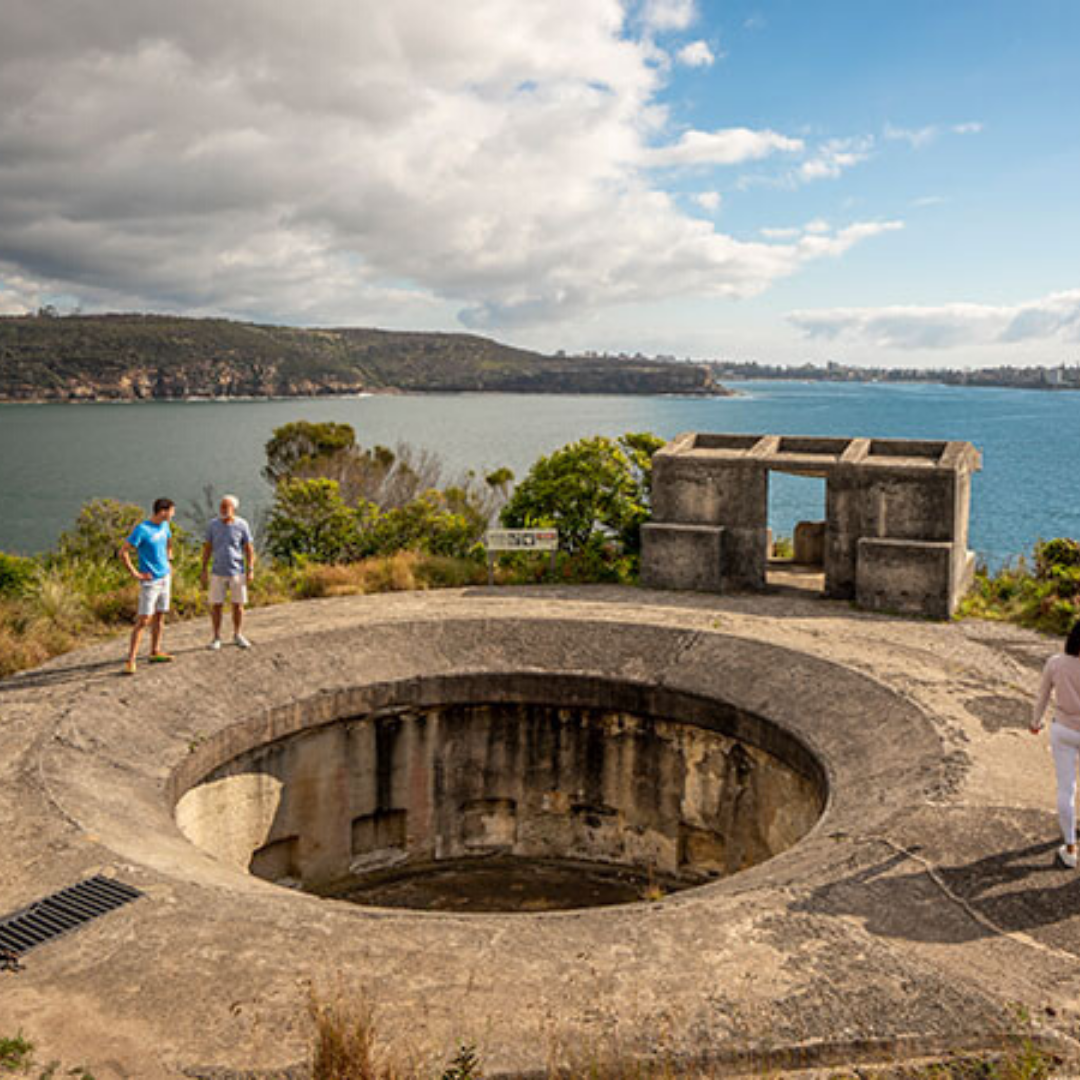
column 924, row 136
column 786, row 232
column 917, row 137
column 948, row 325
column 478, row 157
column 708, row 200
column 834, row 156
column 728, row 146
column 664, row 15
column 696, row 54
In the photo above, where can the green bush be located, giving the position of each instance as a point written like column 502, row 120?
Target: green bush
column 310, row 520
column 16, row 574
column 592, row 490
column 99, row 530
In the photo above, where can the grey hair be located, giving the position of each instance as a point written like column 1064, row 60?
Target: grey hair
column 233, row 499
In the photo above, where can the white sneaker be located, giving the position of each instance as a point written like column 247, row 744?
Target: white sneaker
column 1066, row 857
column 242, row 642
column 215, row 645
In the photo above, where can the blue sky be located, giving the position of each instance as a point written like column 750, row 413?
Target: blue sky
column 872, row 182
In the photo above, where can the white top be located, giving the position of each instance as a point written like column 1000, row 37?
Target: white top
column 1062, row 675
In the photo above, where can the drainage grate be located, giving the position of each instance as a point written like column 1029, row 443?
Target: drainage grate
column 61, row 912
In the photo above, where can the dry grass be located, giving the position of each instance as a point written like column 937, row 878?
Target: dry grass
column 344, row 1041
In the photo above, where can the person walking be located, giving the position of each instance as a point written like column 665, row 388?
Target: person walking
column 151, row 541
column 228, row 542
column 1061, row 675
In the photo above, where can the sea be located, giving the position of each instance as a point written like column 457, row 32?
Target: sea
column 56, row 457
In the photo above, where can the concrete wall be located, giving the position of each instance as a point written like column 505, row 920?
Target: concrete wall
column 909, row 492
column 368, row 796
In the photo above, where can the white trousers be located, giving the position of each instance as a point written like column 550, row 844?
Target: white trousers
column 1065, row 745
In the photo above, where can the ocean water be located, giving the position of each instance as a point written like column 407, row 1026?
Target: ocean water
column 53, row 458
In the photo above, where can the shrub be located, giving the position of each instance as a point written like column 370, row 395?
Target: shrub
column 16, row 574
column 99, row 530
column 592, row 489
column 309, row 520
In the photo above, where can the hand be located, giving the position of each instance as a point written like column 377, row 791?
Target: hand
column 143, row 575
column 1034, row 730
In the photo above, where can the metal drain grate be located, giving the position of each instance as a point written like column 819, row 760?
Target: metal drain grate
column 61, row 912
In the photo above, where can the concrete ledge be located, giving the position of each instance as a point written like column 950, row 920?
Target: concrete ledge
column 911, row 577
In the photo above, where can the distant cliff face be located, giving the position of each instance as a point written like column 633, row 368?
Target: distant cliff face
column 147, row 357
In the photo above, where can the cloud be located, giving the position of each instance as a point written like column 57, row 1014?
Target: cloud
column 948, row 325
column 664, row 15
column 696, row 54
column 708, row 200
column 728, row 146
column 476, row 157
column 833, row 156
column 924, row 136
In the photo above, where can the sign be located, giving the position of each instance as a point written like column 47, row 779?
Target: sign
column 522, row 540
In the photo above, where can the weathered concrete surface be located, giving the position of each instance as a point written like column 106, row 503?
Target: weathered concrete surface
column 896, row 528
column 911, row 920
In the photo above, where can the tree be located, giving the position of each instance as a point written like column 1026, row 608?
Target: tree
column 303, row 445
column 589, row 490
column 99, row 530
column 309, row 519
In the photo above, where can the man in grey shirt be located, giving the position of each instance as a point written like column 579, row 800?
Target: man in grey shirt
column 228, row 540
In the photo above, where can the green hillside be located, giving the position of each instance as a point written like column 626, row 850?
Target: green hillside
column 132, row 357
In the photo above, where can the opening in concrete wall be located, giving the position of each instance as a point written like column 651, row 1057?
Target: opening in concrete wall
column 506, row 793
column 796, row 556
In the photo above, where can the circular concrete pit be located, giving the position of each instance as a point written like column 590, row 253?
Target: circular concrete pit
column 511, row 792
column 892, row 898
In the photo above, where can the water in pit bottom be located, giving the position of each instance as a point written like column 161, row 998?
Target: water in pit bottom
column 510, row 884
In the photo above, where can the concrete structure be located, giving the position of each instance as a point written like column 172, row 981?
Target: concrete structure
column 918, row 913
column 896, row 516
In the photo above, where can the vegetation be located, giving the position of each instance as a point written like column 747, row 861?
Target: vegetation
column 348, row 519
column 345, row 520
column 17, row 1059
column 86, row 357
column 1043, row 594
column 596, row 493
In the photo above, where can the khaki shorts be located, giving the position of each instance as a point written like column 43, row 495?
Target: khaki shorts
column 236, row 586
column 154, row 595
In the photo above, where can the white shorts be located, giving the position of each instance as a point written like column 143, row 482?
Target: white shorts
column 154, row 595
column 236, row 586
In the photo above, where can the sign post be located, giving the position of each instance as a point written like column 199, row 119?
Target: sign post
column 496, row 540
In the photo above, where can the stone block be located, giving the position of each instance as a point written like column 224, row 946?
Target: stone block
column 810, row 543
column 911, row 577
column 682, row 557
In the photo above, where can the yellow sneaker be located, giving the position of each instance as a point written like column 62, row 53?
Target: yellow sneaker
column 129, row 668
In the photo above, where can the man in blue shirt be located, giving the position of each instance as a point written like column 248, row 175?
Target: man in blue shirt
column 151, row 541
column 228, row 541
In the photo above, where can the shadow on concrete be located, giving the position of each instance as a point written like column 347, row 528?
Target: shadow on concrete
column 1018, row 890
column 83, row 674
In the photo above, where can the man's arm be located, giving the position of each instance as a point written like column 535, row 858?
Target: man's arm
column 126, row 551
column 207, row 551
column 249, row 554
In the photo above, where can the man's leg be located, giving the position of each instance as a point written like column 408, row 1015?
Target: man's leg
column 215, row 619
column 157, row 625
column 136, row 637
column 237, row 619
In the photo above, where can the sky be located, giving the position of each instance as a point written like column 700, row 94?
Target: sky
column 873, row 182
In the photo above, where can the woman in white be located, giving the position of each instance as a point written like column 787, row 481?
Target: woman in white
column 1062, row 676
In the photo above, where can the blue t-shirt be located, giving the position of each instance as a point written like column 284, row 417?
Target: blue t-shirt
column 152, row 543
column 227, row 541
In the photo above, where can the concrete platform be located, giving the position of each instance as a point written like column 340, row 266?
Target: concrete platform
column 920, row 916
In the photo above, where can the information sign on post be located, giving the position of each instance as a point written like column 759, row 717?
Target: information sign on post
column 496, row 540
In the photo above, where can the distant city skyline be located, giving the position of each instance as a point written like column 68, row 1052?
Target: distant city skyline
column 874, row 184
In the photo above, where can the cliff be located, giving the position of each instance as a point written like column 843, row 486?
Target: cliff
column 136, row 357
